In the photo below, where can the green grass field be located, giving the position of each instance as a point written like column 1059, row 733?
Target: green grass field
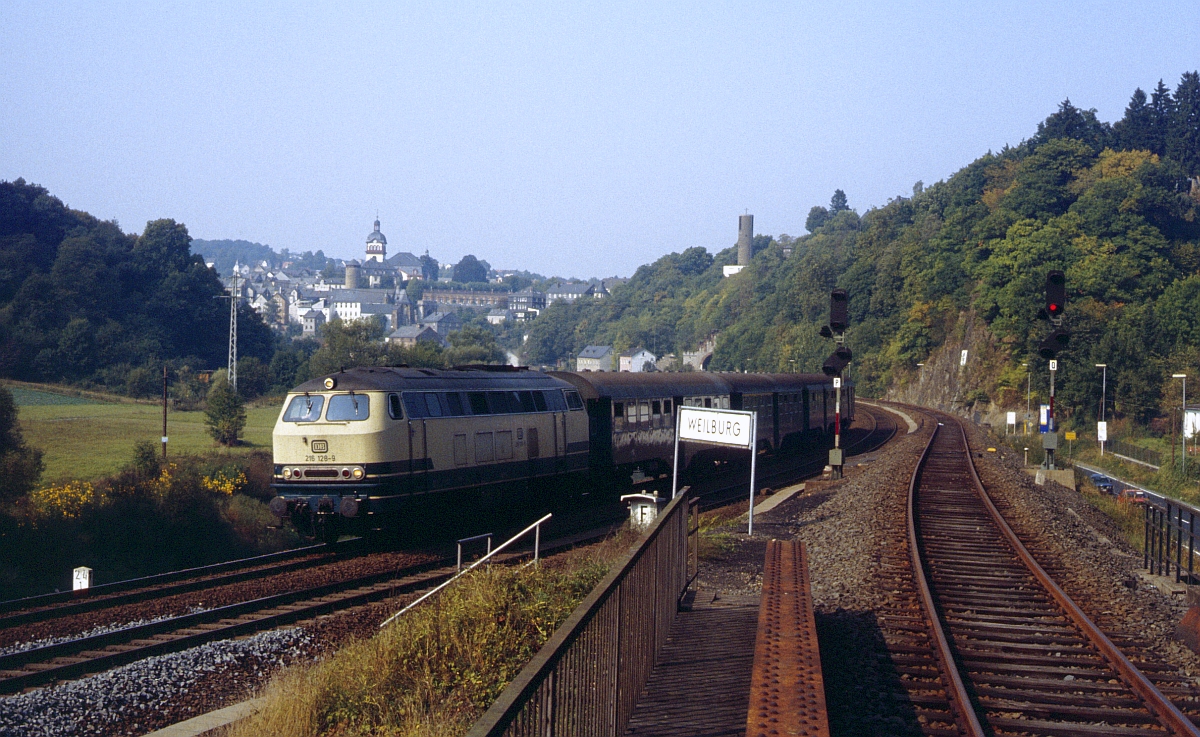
column 84, row 438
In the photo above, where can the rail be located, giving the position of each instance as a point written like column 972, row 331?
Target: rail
column 587, row 678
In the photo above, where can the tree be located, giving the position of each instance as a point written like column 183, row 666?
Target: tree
column 348, row 344
column 817, row 217
column 1162, row 111
column 469, row 270
column 1071, row 122
column 473, row 345
column 20, row 465
column 1135, row 131
column 429, row 268
column 837, row 203
column 1183, row 142
column 225, row 414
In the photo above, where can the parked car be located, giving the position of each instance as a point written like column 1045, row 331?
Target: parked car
column 1103, row 483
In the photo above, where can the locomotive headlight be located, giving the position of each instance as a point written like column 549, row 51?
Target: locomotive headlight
column 358, row 473
column 287, row 472
column 330, row 382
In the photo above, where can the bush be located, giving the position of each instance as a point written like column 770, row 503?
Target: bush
column 20, row 465
column 438, row 667
column 225, row 414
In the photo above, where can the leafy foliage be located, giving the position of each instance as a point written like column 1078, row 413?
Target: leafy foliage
column 20, row 465
column 1110, row 205
column 225, row 414
column 82, row 302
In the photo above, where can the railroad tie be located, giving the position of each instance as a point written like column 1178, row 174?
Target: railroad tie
column 787, row 691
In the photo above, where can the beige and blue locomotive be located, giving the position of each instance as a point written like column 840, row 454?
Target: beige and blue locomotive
column 359, row 448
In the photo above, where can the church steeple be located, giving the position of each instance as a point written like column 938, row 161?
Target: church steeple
column 376, row 245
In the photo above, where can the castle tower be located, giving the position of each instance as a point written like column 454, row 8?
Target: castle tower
column 376, row 245
column 353, row 270
column 745, row 238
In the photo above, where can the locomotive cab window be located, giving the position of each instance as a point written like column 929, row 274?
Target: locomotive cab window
column 454, row 399
column 574, row 402
column 304, row 409
column 479, row 403
column 394, row 409
column 539, row 401
column 348, row 408
column 432, row 403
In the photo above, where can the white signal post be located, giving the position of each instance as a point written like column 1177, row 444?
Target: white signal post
column 1050, row 439
column 1102, row 425
column 737, row 428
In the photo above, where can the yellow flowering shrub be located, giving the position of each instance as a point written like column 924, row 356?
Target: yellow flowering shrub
column 224, row 483
column 160, row 486
column 63, row 501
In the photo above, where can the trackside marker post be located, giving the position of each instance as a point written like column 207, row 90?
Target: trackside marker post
column 731, row 427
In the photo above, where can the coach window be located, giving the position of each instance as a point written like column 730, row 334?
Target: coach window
column 394, row 409
column 708, row 402
column 348, row 407
column 667, row 408
column 643, row 412
column 656, row 408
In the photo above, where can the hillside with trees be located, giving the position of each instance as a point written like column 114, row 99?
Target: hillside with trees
column 82, row 302
column 1114, row 206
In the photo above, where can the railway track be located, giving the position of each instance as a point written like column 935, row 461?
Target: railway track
column 1006, row 651
column 53, row 606
column 81, row 656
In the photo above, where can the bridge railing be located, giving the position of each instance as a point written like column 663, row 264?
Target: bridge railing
column 587, row 678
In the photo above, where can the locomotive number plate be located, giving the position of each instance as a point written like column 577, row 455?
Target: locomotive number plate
column 320, row 446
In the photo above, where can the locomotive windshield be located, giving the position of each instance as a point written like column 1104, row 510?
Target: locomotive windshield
column 304, row 409
column 348, row 407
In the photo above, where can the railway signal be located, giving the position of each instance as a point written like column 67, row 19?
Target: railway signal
column 839, row 317
column 839, row 320
column 1058, row 339
column 1056, row 294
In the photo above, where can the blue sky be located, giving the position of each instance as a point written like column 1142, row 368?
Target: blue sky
column 554, row 137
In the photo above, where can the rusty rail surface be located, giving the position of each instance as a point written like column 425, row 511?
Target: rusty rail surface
column 587, row 678
column 787, row 691
column 1032, row 661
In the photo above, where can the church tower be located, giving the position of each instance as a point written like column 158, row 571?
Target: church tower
column 376, row 245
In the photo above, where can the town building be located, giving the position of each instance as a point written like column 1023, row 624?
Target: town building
column 569, row 292
column 409, row 335
column 595, row 358
column 499, row 317
column 526, row 301
column 637, row 360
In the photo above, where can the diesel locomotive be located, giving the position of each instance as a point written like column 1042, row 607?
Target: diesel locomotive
column 360, row 449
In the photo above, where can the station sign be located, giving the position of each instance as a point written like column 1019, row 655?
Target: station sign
column 1102, row 431
column 1012, row 418
column 718, row 426
column 1070, row 435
